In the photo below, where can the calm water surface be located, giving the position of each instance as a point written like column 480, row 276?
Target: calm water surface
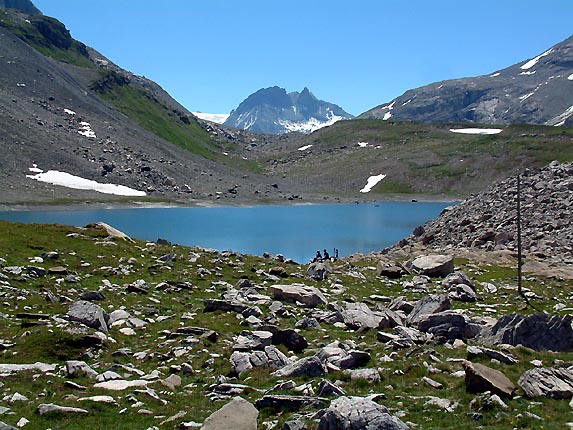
column 294, row 231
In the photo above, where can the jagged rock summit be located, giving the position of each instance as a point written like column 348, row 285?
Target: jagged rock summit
column 535, row 91
column 274, row 111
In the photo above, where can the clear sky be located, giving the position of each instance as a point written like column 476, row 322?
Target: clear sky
column 211, row 54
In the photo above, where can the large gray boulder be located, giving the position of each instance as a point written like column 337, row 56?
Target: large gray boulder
column 301, row 293
column 238, row 414
column 269, row 357
column 358, row 413
column 248, row 340
column 448, row 325
column 342, row 358
column 537, row 331
column 431, row 304
column 556, row 383
column 480, row 378
column 318, row 271
column 308, row 366
column 89, row 314
column 433, row 265
column 359, row 315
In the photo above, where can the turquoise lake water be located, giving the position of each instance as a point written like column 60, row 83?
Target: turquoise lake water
column 297, row 232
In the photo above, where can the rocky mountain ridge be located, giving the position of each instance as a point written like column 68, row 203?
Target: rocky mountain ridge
column 535, row 91
column 274, row 111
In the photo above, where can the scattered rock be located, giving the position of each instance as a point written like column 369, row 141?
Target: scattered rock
column 318, row 271
column 308, row 366
column 89, row 314
column 556, row 383
column 480, row 378
column 300, row 293
column 238, row 414
column 433, row 265
column 352, row 413
column 50, row 408
column 537, row 331
column 428, row 305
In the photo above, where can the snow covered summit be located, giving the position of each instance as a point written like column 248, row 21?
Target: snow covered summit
column 274, row 111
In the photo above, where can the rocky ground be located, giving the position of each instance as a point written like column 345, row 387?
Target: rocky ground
column 488, row 221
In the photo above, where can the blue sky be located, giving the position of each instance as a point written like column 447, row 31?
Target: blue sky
column 211, row 54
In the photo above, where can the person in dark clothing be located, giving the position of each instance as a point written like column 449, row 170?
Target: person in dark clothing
column 325, row 254
column 317, row 257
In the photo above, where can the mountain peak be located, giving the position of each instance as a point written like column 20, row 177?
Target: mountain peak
column 274, row 111
column 25, row 6
column 535, row 91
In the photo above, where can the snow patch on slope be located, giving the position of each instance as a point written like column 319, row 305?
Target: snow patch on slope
column 476, row 130
column 371, row 183
column 560, row 119
column 64, row 179
column 534, row 61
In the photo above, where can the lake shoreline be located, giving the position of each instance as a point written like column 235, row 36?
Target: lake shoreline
column 138, row 204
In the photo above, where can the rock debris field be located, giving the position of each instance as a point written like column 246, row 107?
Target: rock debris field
column 101, row 330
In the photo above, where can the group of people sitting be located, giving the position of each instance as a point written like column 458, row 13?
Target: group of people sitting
column 325, row 256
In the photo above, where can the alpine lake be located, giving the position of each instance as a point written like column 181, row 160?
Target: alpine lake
column 296, row 232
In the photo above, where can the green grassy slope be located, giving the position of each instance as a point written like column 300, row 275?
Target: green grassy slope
column 419, row 157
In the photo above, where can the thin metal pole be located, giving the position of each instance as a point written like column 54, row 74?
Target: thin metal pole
column 519, row 256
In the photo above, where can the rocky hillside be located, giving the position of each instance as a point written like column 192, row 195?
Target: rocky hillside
column 66, row 108
column 534, row 91
column 274, row 111
column 488, row 220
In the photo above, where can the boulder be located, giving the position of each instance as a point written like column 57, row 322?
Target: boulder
column 358, row 413
column 462, row 293
column 448, row 325
column 341, row 358
column 389, row 270
column 501, row 356
column 428, row 305
column 370, row 375
column 556, row 383
column 308, row 366
column 238, row 414
column 537, row 331
column 301, row 293
column 248, row 340
column 212, row 305
column 457, row 278
column 89, row 314
column 318, row 271
column 359, row 315
column 269, row 357
column 480, row 378
column 294, row 341
column 327, row 388
column 433, row 265
column 50, row 408
column 290, row 403
column 75, row 368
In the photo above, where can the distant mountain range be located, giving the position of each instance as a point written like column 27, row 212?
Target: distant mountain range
column 536, row 91
column 274, row 111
